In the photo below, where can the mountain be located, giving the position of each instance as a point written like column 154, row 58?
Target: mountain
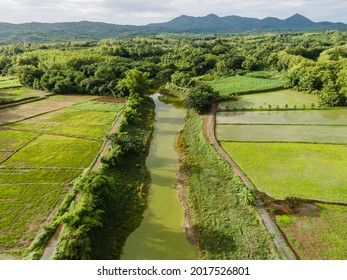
column 235, row 24
column 210, row 24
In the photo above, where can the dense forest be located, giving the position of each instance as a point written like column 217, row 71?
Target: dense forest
column 312, row 62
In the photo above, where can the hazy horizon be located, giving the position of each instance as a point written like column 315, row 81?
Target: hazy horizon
column 135, row 12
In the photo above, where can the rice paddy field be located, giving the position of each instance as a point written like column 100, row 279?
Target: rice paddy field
column 282, row 170
column 281, row 99
column 40, row 156
column 70, row 122
column 9, row 82
column 290, row 153
column 18, row 94
column 307, row 117
column 229, row 86
column 283, row 133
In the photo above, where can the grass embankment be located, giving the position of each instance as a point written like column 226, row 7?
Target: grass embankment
column 294, row 170
column 226, row 227
column 111, row 201
column 230, row 86
column 320, row 234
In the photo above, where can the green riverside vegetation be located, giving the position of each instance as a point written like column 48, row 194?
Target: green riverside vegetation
column 226, row 227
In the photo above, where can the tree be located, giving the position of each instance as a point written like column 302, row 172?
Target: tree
column 135, row 81
column 201, row 98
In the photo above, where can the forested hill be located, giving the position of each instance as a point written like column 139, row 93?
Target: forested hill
column 235, row 24
column 85, row 30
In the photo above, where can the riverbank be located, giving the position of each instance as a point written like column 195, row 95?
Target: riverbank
column 161, row 235
column 226, row 227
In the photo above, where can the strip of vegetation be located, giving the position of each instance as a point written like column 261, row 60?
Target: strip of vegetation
column 227, row 226
column 111, row 201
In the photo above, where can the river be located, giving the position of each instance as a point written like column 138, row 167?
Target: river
column 160, row 235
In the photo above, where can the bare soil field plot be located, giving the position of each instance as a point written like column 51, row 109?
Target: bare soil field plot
column 31, row 109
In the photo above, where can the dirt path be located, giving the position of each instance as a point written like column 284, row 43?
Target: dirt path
column 52, row 244
column 107, row 144
column 209, row 129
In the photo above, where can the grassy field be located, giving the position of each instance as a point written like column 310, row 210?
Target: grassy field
column 23, row 210
column 4, row 155
column 281, row 99
column 227, row 229
column 98, row 106
column 33, row 181
column 70, row 122
column 11, row 140
column 318, row 235
column 294, row 170
column 235, row 85
column 37, row 176
column 314, row 117
column 9, row 82
column 18, row 94
column 55, row 152
column 282, row 133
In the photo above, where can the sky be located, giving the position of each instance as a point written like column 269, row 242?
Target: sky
column 138, row 12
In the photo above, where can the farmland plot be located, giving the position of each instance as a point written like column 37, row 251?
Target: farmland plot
column 41, row 156
column 282, row 99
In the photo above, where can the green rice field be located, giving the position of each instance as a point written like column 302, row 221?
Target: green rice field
column 37, row 176
column 11, row 140
column 70, row 122
column 282, row 170
column 98, row 106
column 281, row 99
column 23, row 210
column 40, row 156
column 9, row 82
column 235, row 85
column 288, row 147
column 55, row 152
column 18, row 94
column 283, row 133
column 317, row 234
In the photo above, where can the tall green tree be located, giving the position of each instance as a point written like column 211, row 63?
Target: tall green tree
column 201, row 98
column 135, row 81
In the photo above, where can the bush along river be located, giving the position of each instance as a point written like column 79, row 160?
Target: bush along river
column 160, row 235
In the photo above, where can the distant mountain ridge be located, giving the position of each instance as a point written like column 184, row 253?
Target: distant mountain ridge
column 210, row 24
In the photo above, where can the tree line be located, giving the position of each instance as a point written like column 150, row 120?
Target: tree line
column 311, row 62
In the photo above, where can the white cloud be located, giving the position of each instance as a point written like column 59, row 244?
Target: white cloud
column 143, row 12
